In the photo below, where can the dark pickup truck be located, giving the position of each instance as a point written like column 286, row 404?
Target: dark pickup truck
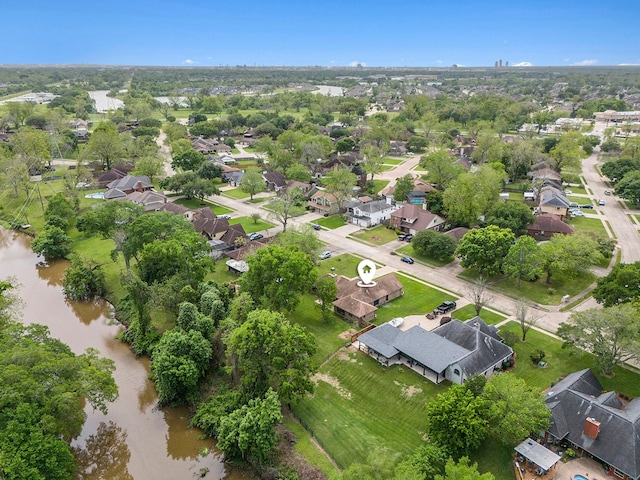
column 445, row 307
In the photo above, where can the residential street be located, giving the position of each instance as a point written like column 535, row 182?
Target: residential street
column 445, row 278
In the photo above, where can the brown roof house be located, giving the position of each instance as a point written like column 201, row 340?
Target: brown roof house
column 412, row 219
column 150, row 200
column 547, row 225
column 275, row 181
column 207, row 223
column 359, row 304
column 323, row 202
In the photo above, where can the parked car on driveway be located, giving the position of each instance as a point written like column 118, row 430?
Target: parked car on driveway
column 225, row 216
column 446, row 307
column 408, row 238
column 255, row 236
column 408, row 260
column 573, row 204
column 586, row 205
column 577, row 213
column 316, row 226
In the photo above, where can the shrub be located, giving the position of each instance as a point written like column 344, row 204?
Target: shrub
column 510, row 338
column 537, row 355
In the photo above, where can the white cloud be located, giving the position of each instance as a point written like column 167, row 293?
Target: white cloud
column 628, row 64
column 523, row 64
column 188, row 61
column 355, row 63
column 439, row 62
column 585, row 63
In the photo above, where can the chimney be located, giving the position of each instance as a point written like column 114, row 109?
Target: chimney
column 591, row 428
column 139, row 186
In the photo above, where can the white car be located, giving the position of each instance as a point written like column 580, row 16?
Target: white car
column 325, row 255
column 601, row 202
column 577, row 213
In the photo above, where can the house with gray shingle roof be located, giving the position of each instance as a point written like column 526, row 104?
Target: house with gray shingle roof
column 553, row 201
column 369, row 214
column 596, row 422
column 454, row 351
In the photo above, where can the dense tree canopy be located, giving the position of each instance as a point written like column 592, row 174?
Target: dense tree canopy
column 629, row 187
column 485, row 248
column 471, row 194
column 512, row 215
column 273, row 353
column 569, row 255
column 524, row 260
column 278, row 275
column 620, row 285
column 434, row 244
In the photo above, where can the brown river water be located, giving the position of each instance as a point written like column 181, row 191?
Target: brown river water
column 136, row 440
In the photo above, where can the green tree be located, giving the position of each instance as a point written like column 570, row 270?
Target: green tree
column 457, row 420
column 189, row 318
column 345, row 145
column 178, row 364
column 104, row 145
column 403, row 187
column 485, row 248
column 190, row 185
column 620, row 285
column 83, row 279
column 629, row 187
column 417, row 144
column 326, row 289
column 15, row 173
column 298, row 172
column 52, row 243
column 151, row 166
column 209, row 171
column 44, row 386
column 523, row 261
column 441, row 167
column 463, row 470
column 32, row 147
column 514, row 409
column 249, row 431
column 569, row 255
column 434, row 244
column 512, row 215
column 471, row 194
column 373, row 160
column 253, row 182
column 340, row 183
column 278, row 275
column 429, row 459
column 616, row 169
column 568, row 152
column 286, row 205
column 187, row 160
column 304, row 237
column 58, row 206
column 271, row 352
column 611, row 334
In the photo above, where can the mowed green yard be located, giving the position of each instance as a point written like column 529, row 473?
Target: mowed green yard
column 359, row 406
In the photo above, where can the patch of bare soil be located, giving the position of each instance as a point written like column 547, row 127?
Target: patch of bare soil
column 333, row 382
column 347, row 334
column 408, row 391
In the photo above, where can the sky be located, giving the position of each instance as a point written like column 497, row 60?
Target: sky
column 372, row 33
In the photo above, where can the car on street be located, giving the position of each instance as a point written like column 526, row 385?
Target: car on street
column 255, row 236
column 601, row 202
column 316, row 226
column 325, row 255
column 607, row 192
column 408, row 260
column 446, row 307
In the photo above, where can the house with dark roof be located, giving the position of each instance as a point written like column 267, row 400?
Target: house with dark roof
column 233, row 233
column 275, row 181
column 457, row 232
column 553, row 201
column 359, row 304
column 369, row 214
column 597, row 422
column 547, row 225
column 412, row 219
column 150, row 200
column 131, row 183
column 208, row 223
column 454, row 351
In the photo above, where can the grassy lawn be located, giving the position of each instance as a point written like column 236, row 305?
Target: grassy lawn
column 538, row 291
column 359, row 406
column 334, row 221
column 309, row 316
column 578, row 200
column 249, row 225
column 418, row 299
column 408, row 250
column 194, row 203
column 345, row 264
column 589, row 225
column 377, row 235
column 391, row 161
column 305, row 447
column 468, row 311
column 562, row 361
column 575, row 189
column 236, row 193
column 386, row 168
column 379, row 185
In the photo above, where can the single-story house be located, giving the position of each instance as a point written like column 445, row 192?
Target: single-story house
column 359, row 304
column 454, row 351
column 131, row 183
column 150, row 200
column 547, row 225
column 412, row 219
column 208, row 223
column 275, row 181
column 597, row 422
column 369, row 214
column 457, row 232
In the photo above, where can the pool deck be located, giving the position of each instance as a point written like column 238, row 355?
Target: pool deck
column 586, row 467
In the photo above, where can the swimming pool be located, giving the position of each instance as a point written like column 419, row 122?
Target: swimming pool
column 579, row 477
column 99, row 195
